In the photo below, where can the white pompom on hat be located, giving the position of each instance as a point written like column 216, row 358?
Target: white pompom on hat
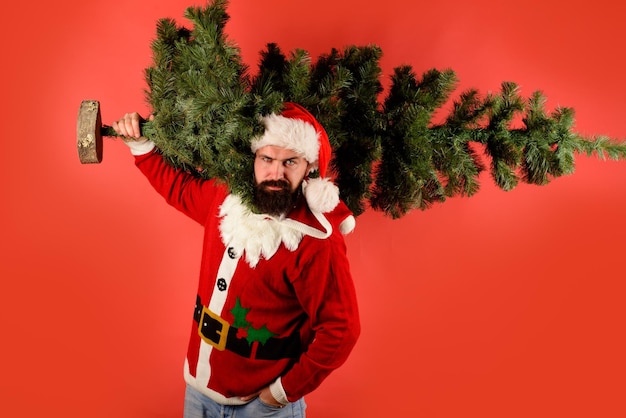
column 298, row 130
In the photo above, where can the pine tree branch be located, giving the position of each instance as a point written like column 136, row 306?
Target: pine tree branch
column 389, row 154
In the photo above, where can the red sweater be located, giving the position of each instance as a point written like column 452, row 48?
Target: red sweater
column 275, row 297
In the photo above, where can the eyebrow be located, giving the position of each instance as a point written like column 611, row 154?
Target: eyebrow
column 295, row 157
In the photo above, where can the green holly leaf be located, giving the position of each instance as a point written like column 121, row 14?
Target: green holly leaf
column 262, row 334
column 240, row 313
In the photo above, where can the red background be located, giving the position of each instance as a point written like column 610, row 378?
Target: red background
column 498, row 305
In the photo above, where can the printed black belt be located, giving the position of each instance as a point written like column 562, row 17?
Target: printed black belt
column 216, row 331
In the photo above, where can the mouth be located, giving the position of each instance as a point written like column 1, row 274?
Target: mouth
column 273, row 189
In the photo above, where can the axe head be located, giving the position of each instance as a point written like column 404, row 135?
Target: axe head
column 89, row 132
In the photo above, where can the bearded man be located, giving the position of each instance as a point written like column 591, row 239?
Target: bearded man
column 276, row 309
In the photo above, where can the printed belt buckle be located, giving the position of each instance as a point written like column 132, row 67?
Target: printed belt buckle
column 223, row 332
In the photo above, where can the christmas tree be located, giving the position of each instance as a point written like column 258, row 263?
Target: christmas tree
column 389, row 153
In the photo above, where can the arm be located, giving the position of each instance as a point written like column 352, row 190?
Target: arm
column 191, row 195
column 326, row 292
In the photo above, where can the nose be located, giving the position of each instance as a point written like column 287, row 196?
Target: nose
column 277, row 171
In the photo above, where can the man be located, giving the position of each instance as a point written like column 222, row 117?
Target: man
column 276, row 309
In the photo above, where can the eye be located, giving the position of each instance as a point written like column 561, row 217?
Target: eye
column 290, row 163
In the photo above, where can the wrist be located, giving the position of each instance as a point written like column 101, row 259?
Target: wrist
column 140, row 147
column 278, row 392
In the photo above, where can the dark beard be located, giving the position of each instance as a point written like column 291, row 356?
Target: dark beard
column 275, row 202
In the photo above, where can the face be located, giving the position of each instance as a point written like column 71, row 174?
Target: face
column 278, row 173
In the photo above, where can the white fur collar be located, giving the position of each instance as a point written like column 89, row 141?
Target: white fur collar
column 260, row 236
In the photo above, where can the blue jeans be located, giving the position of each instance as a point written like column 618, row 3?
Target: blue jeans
column 198, row 405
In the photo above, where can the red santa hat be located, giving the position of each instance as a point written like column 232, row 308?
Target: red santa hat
column 298, row 130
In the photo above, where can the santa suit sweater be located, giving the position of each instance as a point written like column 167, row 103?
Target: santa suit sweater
column 276, row 304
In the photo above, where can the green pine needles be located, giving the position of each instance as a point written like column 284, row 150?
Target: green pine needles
column 389, row 154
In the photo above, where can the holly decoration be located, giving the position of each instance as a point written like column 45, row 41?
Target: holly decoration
column 252, row 334
column 389, row 154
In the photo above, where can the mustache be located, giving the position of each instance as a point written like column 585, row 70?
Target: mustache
column 283, row 184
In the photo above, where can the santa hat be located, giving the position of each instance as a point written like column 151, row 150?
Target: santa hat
column 296, row 129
